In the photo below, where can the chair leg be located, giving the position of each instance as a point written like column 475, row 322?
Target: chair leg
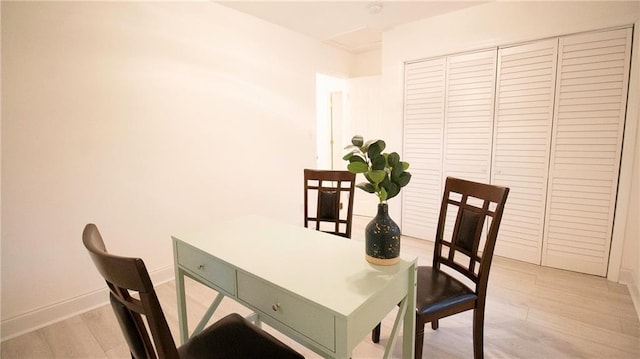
column 419, row 343
column 478, row 336
column 375, row 334
column 434, row 324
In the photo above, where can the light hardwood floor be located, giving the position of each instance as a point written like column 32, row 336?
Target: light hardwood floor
column 532, row 312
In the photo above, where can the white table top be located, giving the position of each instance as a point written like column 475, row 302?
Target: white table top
column 320, row 267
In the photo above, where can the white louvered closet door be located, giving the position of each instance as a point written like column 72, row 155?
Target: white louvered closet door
column 593, row 73
column 423, row 129
column 523, row 122
column 468, row 130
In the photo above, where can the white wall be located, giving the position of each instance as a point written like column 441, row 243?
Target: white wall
column 368, row 64
column 365, row 119
column 503, row 23
column 146, row 118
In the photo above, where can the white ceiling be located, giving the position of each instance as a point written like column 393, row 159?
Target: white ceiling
column 355, row 26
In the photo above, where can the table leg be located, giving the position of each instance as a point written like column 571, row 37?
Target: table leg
column 407, row 316
column 255, row 318
column 207, row 315
column 182, row 306
column 409, row 329
column 394, row 332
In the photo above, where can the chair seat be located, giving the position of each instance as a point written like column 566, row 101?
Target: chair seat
column 438, row 291
column 235, row 337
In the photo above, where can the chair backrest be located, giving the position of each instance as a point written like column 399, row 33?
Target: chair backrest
column 324, row 194
column 126, row 276
column 461, row 246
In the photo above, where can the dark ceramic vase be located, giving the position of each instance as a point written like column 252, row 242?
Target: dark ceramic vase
column 382, row 238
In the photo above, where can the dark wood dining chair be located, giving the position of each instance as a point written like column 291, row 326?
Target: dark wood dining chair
column 133, row 298
column 325, row 193
column 459, row 248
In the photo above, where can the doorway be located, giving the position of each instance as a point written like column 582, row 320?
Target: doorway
column 347, row 107
column 330, row 121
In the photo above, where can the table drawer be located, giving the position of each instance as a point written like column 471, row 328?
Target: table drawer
column 306, row 318
column 207, row 268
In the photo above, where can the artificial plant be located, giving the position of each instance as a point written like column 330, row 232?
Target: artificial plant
column 385, row 173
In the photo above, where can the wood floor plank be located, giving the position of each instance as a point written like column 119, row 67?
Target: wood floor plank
column 104, row 326
column 119, row 352
column 30, row 345
column 594, row 335
column 630, row 327
column 71, row 338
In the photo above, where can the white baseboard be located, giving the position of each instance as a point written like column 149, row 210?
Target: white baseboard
column 627, row 278
column 41, row 317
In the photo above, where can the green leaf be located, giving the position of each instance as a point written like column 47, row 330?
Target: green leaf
column 390, row 187
column 358, row 167
column 347, row 156
column 404, row 179
column 382, row 145
column 366, row 186
column 405, row 165
column 392, row 190
column 396, row 171
column 383, row 195
column 378, row 163
column 385, row 182
column 356, row 158
column 365, row 147
column 393, row 159
column 375, row 149
column 376, row 176
column 357, row 140
column 368, row 143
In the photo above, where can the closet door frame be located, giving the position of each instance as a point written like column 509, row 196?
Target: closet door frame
column 632, row 122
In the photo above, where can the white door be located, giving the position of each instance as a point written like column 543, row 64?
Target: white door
column 336, row 119
column 468, row 126
column 522, row 141
column 423, row 146
column 468, row 119
column 329, row 118
column 592, row 83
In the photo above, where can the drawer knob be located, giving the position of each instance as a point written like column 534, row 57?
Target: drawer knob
column 275, row 307
column 201, row 267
